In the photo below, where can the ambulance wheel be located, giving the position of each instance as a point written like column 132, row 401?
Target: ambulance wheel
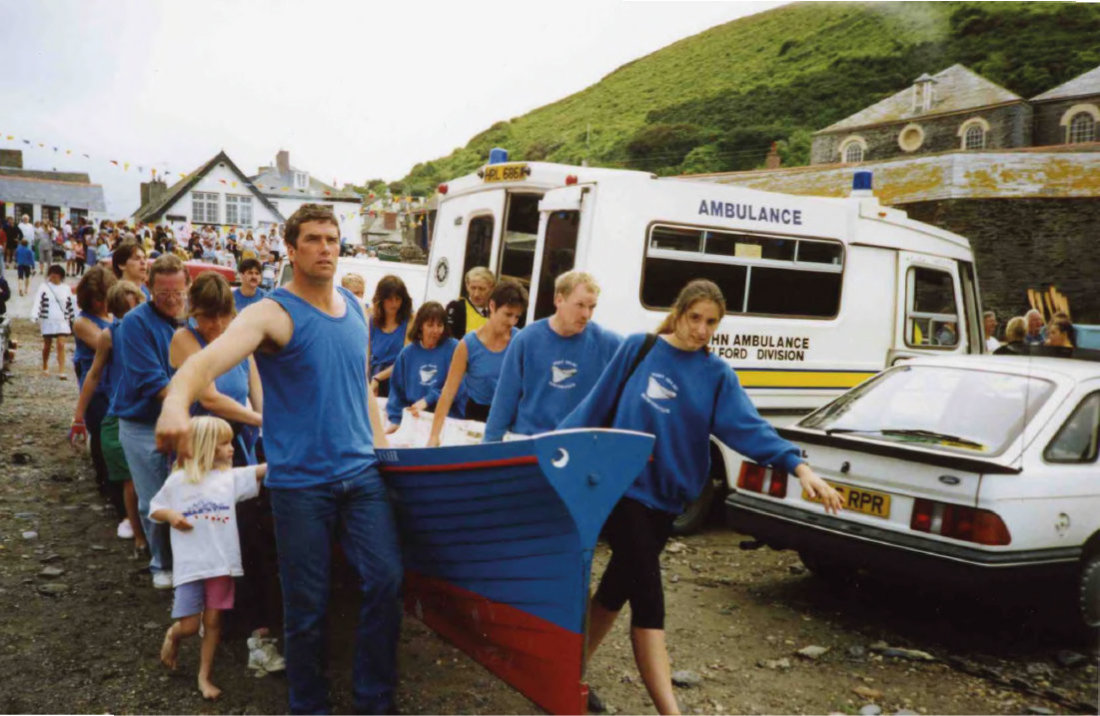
column 1088, row 591
column 695, row 517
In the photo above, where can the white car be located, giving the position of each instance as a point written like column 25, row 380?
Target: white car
column 972, row 467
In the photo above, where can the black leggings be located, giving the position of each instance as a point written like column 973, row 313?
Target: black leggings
column 477, row 411
column 636, row 534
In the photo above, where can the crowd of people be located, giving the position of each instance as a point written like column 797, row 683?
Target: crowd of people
column 193, row 394
column 1028, row 330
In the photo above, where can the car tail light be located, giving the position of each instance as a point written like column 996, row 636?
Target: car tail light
column 959, row 522
column 757, row 478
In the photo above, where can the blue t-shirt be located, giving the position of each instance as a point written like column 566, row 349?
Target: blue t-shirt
column 420, row 372
column 316, row 428
column 24, row 256
column 681, row 397
column 384, row 347
column 545, row 376
column 232, row 384
column 142, row 343
column 84, row 354
column 482, row 368
column 111, row 369
column 242, row 301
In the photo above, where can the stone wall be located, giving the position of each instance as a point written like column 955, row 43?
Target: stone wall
column 1048, row 118
column 1009, row 126
column 1022, row 243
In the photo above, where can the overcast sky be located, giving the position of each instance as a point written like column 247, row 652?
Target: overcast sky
column 353, row 90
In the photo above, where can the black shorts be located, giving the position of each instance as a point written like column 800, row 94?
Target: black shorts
column 636, row 535
column 477, row 411
column 24, row 271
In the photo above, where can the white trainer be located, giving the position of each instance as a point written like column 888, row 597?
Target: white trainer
column 263, row 656
column 125, row 531
column 162, row 580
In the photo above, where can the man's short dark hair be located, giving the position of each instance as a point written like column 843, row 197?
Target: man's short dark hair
column 308, row 212
column 249, row 265
column 124, row 253
column 56, row 269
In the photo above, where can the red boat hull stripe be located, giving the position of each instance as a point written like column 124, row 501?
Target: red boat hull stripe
column 507, row 462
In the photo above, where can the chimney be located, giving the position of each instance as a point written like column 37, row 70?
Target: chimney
column 772, row 161
column 152, row 190
column 922, row 93
column 11, row 158
column 282, row 161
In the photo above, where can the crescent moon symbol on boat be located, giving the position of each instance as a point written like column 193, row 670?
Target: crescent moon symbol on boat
column 562, row 460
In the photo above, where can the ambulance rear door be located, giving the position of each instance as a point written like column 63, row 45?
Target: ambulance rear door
column 467, row 230
column 931, row 313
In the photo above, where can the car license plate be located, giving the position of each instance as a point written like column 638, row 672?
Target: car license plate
column 506, row 172
column 856, row 499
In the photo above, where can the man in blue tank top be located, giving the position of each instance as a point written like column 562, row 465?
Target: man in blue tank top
column 320, row 423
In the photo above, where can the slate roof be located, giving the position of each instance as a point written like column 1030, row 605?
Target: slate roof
column 76, row 177
column 153, row 210
column 48, row 192
column 1084, row 84
column 954, row 90
column 271, row 183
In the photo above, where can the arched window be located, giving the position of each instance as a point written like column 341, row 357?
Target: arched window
column 853, row 153
column 1082, row 128
column 974, row 138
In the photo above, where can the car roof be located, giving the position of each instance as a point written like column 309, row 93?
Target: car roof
column 1039, row 366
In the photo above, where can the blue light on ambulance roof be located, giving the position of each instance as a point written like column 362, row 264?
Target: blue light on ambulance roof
column 498, row 155
column 861, row 181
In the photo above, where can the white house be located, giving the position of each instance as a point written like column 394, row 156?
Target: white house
column 217, row 194
column 288, row 187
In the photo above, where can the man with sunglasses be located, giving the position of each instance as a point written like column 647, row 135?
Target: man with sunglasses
column 143, row 339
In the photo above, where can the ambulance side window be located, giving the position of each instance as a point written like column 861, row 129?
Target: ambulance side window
column 479, row 241
column 932, row 316
column 558, row 257
column 758, row 274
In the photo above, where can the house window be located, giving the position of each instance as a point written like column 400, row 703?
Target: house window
column 1082, row 128
column 204, row 207
column 77, row 214
column 238, row 210
column 853, row 153
column 301, row 180
column 974, row 137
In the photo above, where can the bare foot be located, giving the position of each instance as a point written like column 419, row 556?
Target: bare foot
column 169, row 649
column 209, row 691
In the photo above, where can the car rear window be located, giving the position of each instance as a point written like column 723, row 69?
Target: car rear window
column 954, row 410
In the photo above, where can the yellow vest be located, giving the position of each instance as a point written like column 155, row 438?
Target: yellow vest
column 474, row 320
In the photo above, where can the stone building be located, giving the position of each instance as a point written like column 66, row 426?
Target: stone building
column 1069, row 113
column 46, row 195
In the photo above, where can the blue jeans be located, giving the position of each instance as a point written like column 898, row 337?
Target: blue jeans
column 357, row 511
column 149, row 470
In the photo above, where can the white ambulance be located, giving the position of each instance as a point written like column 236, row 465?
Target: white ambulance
column 822, row 293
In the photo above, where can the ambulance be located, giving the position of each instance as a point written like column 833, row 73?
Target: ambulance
column 821, row 293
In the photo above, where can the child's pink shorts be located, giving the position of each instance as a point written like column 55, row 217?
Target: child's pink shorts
column 192, row 597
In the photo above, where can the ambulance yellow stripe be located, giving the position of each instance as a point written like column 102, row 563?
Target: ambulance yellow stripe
column 802, row 378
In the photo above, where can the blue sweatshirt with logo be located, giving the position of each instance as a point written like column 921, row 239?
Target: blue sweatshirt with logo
column 545, row 376
column 681, row 397
column 141, row 342
column 420, row 372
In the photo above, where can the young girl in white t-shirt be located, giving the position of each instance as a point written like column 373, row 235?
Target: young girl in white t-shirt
column 199, row 502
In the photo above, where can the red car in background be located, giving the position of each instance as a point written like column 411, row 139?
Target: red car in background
column 194, row 268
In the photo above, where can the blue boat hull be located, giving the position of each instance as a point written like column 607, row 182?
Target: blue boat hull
column 497, row 542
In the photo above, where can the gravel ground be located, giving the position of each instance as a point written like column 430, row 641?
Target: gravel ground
column 736, row 620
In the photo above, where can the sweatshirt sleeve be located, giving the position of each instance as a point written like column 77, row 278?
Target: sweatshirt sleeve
column 144, row 370
column 596, row 408
column 738, row 424
column 397, row 400
column 502, row 414
column 36, row 304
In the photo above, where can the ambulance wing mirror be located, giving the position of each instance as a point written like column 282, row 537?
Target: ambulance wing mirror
column 563, row 199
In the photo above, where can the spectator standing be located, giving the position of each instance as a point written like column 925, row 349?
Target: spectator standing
column 1060, row 332
column 1015, row 333
column 54, row 310
column 989, row 322
column 13, row 234
column 26, row 231
column 553, row 363
column 44, row 244
column 5, row 295
column 3, row 248
column 249, row 291
column 324, row 484
column 1034, row 321
column 470, row 313
column 388, row 326
column 24, row 266
column 142, row 341
column 275, row 246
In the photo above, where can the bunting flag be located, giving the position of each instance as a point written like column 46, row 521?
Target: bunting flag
column 126, row 166
column 115, row 162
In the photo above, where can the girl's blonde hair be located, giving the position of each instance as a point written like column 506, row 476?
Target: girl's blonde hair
column 207, row 433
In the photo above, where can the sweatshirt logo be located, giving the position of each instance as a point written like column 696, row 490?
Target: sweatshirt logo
column 660, row 389
column 428, row 373
column 561, row 374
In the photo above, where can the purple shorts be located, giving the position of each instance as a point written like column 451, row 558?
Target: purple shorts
column 192, row 597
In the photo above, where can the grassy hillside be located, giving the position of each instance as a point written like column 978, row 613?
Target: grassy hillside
column 717, row 100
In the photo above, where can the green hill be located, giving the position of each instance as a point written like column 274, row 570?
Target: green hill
column 717, row 100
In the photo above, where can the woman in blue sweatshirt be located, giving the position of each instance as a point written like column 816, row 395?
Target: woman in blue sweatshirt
column 479, row 356
column 422, row 366
column 682, row 394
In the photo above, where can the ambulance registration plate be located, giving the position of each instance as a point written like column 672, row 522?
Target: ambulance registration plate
column 506, row 172
column 855, row 499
